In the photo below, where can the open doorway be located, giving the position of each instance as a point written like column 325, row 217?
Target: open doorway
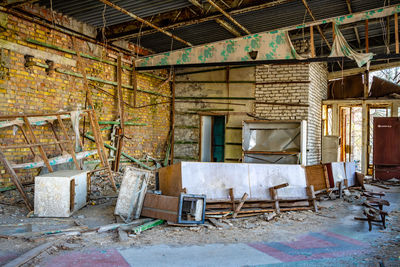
column 212, row 136
column 351, row 134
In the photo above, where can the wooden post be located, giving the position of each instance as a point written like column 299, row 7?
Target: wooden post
column 364, row 143
column 15, row 180
column 312, row 41
column 60, row 145
column 172, row 116
column 41, row 150
column 27, row 141
column 366, row 37
column 333, row 32
column 134, row 82
column 239, row 207
column 396, row 32
column 231, row 195
column 70, row 143
column 311, row 195
column 274, row 195
column 92, row 116
column 121, row 128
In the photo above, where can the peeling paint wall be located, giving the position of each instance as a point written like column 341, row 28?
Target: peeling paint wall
column 199, row 90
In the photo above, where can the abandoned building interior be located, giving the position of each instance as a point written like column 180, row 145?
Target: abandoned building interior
column 199, row 133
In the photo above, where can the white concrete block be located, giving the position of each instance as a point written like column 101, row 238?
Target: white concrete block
column 61, row 193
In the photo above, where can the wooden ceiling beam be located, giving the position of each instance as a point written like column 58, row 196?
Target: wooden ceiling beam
column 130, row 34
column 349, row 7
column 229, row 17
column 228, row 27
column 318, row 27
column 145, row 22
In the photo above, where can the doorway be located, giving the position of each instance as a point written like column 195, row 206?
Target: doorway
column 350, row 128
column 212, row 136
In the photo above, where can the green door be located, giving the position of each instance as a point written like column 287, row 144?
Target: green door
column 218, row 139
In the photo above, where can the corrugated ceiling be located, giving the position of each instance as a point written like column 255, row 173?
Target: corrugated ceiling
column 292, row 13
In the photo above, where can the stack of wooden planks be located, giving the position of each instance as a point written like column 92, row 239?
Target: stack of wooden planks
column 236, row 208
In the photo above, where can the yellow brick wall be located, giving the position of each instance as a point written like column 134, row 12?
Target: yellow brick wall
column 32, row 90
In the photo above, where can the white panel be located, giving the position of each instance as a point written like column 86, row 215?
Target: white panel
column 264, row 176
column 215, row 179
column 350, row 173
column 338, row 172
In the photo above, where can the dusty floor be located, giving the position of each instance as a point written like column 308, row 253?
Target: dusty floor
column 334, row 215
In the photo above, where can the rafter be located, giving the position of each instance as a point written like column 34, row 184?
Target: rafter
column 229, row 16
column 113, row 37
column 145, row 22
column 348, row 2
column 318, row 27
column 228, row 27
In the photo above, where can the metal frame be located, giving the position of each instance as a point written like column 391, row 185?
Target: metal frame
column 181, row 199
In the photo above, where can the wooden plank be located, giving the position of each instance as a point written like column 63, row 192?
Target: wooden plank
column 27, row 140
column 312, row 41
column 93, row 118
column 274, row 196
column 134, row 82
column 70, row 144
column 15, row 180
column 280, row 186
column 366, row 37
column 311, row 194
column 237, row 210
column 231, row 195
column 139, row 229
column 315, row 176
column 396, row 32
column 121, row 130
column 24, row 258
column 172, row 117
column 41, row 150
column 72, row 195
column 60, row 145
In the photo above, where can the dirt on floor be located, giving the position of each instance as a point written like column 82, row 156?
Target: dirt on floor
column 19, row 233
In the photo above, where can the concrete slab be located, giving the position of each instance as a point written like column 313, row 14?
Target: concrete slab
column 207, row 255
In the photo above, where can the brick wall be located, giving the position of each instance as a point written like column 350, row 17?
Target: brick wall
column 33, row 90
column 303, row 86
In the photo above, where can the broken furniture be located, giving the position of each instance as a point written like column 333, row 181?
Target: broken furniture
column 276, row 142
column 131, row 194
column 215, row 179
column 236, row 208
column 61, row 193
column 65, row 145
column 386, row 152
column 185, row 209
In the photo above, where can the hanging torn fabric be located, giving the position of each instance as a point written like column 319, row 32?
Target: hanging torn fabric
column 263, row 46
column 341, row 48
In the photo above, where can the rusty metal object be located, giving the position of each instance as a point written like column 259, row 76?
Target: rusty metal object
column 381, row 87
column 348, row 87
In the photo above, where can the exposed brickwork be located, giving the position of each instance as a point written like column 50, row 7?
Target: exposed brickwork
column 306, row 85
column 32, row 90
